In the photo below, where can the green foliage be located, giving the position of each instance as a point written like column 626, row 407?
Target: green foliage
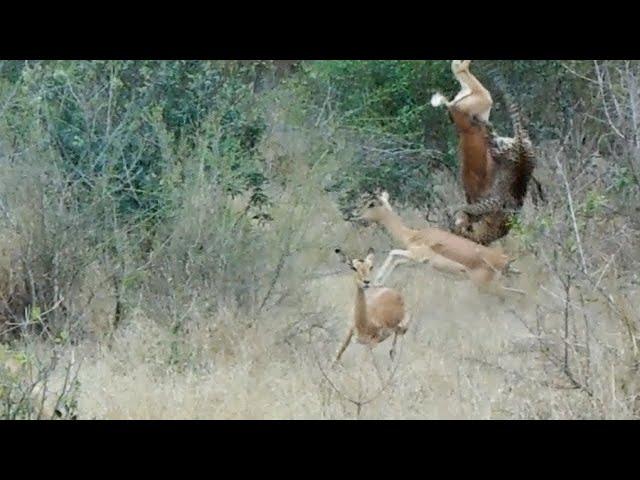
column 528, row 233
column 25, row 393
column 393, row 96
column 387, row 103
column 103, row 118
column 114, row 125
column 390, row 100
column 111, row 150
column 388, row 96
column 548, row 93
column 593, row 204
column 623, row 180
column 407, row 180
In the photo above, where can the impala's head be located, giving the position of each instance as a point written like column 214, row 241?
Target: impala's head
column 362, row 268
column 375, row 207
column 458, row 66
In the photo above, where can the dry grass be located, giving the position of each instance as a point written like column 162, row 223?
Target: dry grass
column 465, row 356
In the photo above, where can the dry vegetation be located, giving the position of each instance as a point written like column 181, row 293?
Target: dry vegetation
column 227, row 317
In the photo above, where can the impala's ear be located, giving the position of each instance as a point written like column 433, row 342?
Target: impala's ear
column 344, row 258
column 370, row 257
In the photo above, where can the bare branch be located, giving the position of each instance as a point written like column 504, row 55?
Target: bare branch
column 571, row 209
column 604, row 101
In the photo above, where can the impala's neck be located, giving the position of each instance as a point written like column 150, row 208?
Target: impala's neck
column 463, row 79
column 360, row 311
column 392, row 222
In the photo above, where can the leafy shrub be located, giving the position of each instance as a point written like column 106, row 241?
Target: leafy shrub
column 388, row 102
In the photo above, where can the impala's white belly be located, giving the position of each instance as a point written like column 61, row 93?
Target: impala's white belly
column 378, row 337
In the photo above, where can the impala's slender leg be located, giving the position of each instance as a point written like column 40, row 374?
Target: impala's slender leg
column 486, row 262
column 344, row 346
column 444, row 265
column 392, row 352
column 395, row 258
column 399, row 330
column 383, row 269
column 502, row 287
column 462, row 94
column 482, row 278
column 485, row 280
column 373, row 360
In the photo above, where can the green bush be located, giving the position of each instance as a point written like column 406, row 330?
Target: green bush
column 102, row 119
column 388, row 101
column 103, row 144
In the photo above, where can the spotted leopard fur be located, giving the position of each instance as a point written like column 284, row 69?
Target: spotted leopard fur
column 489, row 219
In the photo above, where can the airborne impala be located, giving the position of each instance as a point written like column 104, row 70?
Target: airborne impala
column 442, row 250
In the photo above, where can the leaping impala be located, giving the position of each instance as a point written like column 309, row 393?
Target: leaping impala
column 442, row 250
column 378, row 312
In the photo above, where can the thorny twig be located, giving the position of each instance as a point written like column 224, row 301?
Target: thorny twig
column 570, row 200
column 567, row 291
column 573, row 72
column 553, row 358
column 359, row 403
column 604, row 100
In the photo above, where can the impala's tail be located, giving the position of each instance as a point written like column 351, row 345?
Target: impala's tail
column 524, row 153
column 437, row 100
